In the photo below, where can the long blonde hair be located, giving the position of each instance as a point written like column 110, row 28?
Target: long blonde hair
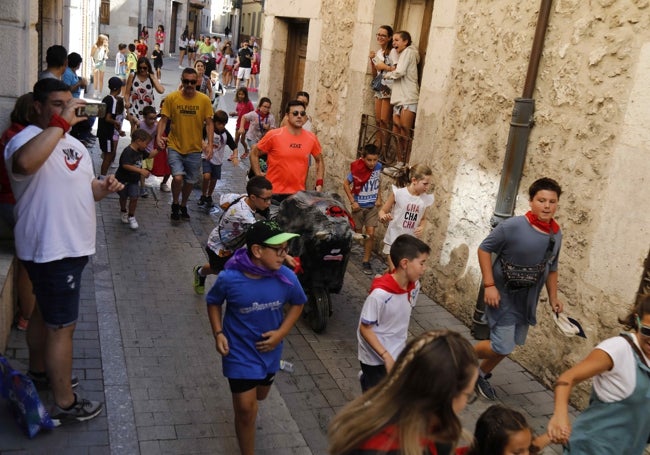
column 416, row 396
column 100, row 40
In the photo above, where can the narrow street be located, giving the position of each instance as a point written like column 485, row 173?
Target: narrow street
column 144, row 346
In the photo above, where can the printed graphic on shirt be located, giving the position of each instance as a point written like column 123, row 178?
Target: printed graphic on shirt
column 411, row 216
column 72, row 158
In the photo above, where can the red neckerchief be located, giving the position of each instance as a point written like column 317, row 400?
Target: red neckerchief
column 360, row 175
column 387, row 283
column 541, row 225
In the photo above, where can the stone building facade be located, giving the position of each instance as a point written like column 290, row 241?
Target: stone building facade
column 591, row 133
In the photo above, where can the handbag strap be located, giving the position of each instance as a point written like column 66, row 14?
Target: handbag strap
column 549, row 248
column 636, row 349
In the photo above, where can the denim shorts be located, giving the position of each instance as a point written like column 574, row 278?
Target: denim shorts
column 130, row 190
column 56, row 287
column 213, row 169
column 503, row 338
column 398, row 108
column 187, row 165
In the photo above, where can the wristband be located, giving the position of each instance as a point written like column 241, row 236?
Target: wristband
column 319, row 182
column 59, row 122
column 218, row 332
column 560, row 383
column 488, row 285
column 382, row 354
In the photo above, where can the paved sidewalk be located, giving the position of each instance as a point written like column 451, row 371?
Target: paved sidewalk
column 144, row 347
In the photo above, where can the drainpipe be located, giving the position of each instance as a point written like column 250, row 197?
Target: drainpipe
column 521, row 123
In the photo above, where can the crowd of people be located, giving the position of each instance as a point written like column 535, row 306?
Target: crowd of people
column 412, row 391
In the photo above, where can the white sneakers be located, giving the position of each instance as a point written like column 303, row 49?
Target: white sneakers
column 130, row 220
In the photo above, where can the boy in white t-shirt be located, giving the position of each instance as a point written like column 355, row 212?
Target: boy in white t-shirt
column 384, row 320
column 212, row 167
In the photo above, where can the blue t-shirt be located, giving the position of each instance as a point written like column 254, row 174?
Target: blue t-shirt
column 70, row 78
column 367, row 197
column 254, row 306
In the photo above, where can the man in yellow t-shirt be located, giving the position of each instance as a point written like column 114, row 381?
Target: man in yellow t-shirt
column 188, row 110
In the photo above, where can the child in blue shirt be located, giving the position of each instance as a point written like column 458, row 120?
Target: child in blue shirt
column 249, row 336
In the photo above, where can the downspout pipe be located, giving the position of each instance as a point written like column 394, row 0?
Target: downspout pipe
column 521, row 123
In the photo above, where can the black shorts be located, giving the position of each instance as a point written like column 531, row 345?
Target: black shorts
column 216, row 262
column 105, row 144
column 244, row 385
column 372, row 375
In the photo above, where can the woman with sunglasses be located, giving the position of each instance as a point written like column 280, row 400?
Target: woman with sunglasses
column 617, row 419
column 139, row 92
column 381, row 61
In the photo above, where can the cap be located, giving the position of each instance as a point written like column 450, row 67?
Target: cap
column 568, row 326
column 267, row 233
column 114, row 83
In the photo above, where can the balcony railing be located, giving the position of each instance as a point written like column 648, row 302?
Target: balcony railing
column 394, row 148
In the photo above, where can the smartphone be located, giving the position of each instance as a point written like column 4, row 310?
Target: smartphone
column 92, row 110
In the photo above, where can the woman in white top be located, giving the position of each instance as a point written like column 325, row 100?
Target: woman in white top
column 99, row 55
column 381, row 61
column 617, row 419
column 406, row 89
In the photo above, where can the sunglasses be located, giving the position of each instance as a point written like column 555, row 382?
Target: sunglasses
column 188, row 81
column 263, row 199
column 143, row 67
column 644, row 330
column 299, row 113
column 279, row 250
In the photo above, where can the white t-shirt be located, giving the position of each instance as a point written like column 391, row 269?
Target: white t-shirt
column 618, row 383
column 234, row 224
column 55, row 208
column 389, row 315
column 408, row 213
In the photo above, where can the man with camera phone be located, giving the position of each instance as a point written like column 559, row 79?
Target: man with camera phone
column 52, row 178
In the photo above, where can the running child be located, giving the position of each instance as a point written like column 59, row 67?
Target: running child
column 107, row 125
column 362, row 189
column 406, row 207
column 244, row 106
column 385, row 316
column 129, row 172
column 249, row 333
column 229, row 233
column 212, row 167
column 503, row 431
column 257, row 123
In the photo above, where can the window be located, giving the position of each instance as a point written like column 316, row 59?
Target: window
column 105, row 12
column 150, row 13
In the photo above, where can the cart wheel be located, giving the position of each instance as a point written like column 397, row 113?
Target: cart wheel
column 319, row 309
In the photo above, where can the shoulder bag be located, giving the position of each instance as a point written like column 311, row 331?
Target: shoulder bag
column 523, row 276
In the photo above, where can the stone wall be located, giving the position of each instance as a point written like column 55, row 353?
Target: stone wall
column 591, row 134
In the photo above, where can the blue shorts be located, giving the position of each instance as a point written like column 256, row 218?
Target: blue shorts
column 503, row 338
column 187, row 165
column 213, row 169
column 56, row 287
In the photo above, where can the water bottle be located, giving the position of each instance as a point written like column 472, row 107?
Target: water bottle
column 286, row 366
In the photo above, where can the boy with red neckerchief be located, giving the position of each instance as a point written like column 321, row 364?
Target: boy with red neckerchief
column 361, row 186
column 533, row 241
column 384, row 320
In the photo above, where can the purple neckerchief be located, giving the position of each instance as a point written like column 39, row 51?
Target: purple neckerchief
column 242, row 262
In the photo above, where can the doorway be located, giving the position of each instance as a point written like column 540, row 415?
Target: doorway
column 414, row 16
column 172, row 28
column 296, row 57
